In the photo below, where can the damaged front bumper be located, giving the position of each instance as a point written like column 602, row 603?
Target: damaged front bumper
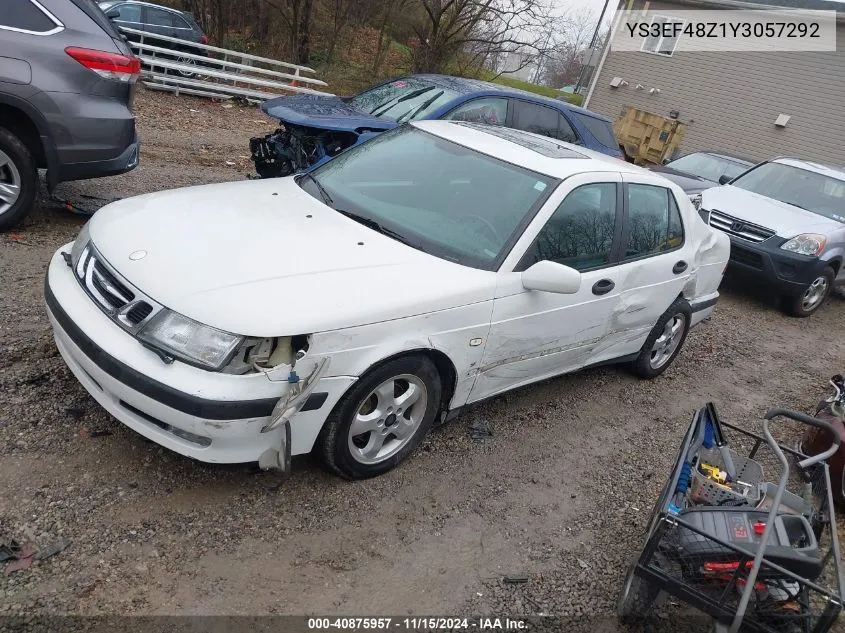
column 209, row 416
column 292, row 149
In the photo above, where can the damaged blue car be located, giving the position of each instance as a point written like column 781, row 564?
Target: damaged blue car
column 316, row 128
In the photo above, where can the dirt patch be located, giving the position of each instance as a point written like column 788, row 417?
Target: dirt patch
column 559, row 492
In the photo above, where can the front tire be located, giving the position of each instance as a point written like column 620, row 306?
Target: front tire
column 18, row 180
column 665, row 340
column 382, row 418
column 812, row 298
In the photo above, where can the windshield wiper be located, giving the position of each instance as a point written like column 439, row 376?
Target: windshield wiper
column 379, row 228
column 410, row 95
column 427, row 103
column 323, row 193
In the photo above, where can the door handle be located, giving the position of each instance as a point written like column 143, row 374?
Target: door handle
column 603, row 286
column 680, row 267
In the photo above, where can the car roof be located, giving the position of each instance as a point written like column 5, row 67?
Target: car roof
column 465, row 85
column 819, row 168
column 533, row 151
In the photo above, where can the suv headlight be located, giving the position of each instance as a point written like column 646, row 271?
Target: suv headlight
column 805, row 244
column 190, row 341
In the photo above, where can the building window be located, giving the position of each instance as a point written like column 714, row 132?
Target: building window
column 663, row 35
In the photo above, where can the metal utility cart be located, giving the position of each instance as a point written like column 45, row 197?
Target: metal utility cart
column 704, row 543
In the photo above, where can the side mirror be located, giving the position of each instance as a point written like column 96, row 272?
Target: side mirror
column 548, row 276
column 113, row 14
column 724, row 179
column 666, row 161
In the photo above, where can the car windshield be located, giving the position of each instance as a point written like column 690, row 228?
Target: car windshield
column 433, row 194
column 802, row 188
column 709, row 166
column 403, row 100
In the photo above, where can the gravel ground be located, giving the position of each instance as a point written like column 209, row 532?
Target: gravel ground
column 560, row 493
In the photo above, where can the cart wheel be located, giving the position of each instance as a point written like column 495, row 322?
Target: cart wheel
column 636, row 597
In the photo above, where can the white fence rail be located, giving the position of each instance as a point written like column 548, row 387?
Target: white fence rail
column 210, row 71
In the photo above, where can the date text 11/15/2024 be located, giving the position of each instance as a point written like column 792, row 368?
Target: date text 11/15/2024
column 415, row 624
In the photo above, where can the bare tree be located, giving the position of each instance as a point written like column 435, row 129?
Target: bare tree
column 477, row 28
column 564, row 60
column 296, row 16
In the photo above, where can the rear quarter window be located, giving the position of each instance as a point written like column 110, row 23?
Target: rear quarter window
column 602, row 130
column 25, row 16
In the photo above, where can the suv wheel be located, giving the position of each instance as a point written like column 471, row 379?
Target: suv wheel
column 18, row 180
column 813, row 296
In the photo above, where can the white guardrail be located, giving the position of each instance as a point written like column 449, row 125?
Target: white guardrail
column 210, row 71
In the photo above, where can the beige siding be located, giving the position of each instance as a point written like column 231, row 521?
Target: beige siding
column 730, row 100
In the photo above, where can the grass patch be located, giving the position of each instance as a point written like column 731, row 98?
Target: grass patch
column 546, row 91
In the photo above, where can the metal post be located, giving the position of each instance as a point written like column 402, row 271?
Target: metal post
column 592, row 43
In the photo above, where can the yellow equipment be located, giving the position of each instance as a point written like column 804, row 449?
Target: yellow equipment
column 648, row 137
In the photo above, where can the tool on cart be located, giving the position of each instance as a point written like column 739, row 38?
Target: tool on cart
column 749, row 553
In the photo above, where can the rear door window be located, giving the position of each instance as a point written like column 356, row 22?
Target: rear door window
column 179, row 22
column 602, row 130
column 22, row 15
column 489, row 110
column 535, row 118
column 157, row 17
column 654, row 222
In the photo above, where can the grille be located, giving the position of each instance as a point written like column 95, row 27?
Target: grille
column 115, row 296
column 138, row 312
column 739, row 228
column 746, row 257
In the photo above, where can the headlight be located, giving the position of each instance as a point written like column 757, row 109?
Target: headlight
column 81, row 242
column 805, row 244
column 190, row 341
column 696, row 201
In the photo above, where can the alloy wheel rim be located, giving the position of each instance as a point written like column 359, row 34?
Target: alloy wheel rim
column 188, row 62
column 387, row 419
column 814, row 294
column 667, row 343
column 10, row 183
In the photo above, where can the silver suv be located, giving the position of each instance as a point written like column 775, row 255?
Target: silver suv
column 67, row 79
column 786, row 221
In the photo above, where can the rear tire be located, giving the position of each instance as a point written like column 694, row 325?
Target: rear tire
column 665, row 340
column 18, row 180
column 814, row 295
column 636, row 597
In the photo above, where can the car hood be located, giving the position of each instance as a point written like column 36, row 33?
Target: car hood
column 689, row 183
column 329, row 113
column 264, row 258
column 785, row 219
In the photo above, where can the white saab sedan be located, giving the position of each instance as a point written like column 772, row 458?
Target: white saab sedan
column 348, row 309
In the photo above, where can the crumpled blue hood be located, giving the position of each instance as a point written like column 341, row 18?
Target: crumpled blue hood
column 328, row 113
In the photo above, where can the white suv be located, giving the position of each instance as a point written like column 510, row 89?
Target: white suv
column 786, row 222
column 348, row 308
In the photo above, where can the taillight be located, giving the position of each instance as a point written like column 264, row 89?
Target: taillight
column 108, row 65
column 204, row 39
